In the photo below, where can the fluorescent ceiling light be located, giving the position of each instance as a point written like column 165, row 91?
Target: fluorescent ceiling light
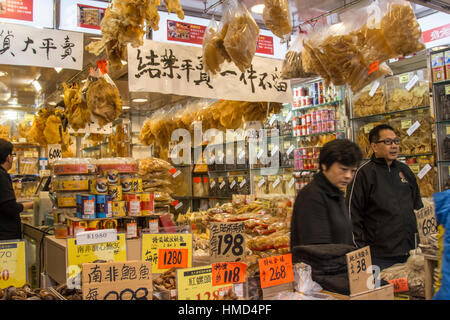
column 257, row 8
column 125, row 107
column 37, row 85
column 11, row 114
column 140, row 100
column 58, row 69
column 61, row 95
column 124, row 61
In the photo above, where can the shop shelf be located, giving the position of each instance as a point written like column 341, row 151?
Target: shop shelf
column 319, row 134
column 380, row 115
column 304, row 108
column 442, row 82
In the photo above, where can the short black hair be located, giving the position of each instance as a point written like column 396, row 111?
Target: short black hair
column 343, row 151
column 374, row 134
column 6, row 149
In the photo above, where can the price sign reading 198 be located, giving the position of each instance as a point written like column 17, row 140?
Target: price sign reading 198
column 227, row 242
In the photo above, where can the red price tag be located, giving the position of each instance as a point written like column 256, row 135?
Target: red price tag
column 400, row 285
column 276, row 270
column 103, row 66
column 172, row 258
column 174, row 203
column 173, row 170
column 373, row 67
column 228, row 272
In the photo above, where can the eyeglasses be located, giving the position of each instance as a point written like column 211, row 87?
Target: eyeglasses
column 389, row 141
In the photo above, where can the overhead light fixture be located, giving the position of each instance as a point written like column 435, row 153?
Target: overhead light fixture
column 138, row 100
column 3, row 73
column 11, row 114
column 61, row 95
column 125, row 107
column 257, row 8
column 124, row 61
column 37, row 85
column 52, row 103
column 58, row 69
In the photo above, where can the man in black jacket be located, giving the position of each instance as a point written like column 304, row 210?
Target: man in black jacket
column 381, row 200
column 319, row 214
column 10, row 226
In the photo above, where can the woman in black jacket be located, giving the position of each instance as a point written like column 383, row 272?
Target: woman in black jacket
column 320, row 215
column 10, row 225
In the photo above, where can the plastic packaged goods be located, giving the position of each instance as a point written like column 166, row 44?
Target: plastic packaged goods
column 222, row 187
column 212, row 55
column 276, row 184
column 368, row 103
column 28, row 165
column 122, row 165
column 198, row 190
column 76, row 109
column 400, row 27
column 71, row 183
column 243, row 183
column 70, row 166
column 276, row 16
column 289, row 184
column 241, row 37
column 408, row 90
column 213, row 186
column 260, row 185
column 233, row 185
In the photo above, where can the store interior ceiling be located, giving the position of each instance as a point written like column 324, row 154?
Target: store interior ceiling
column 17, row 83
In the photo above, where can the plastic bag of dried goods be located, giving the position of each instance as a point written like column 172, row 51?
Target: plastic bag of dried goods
column 277, row 17
column 292, row 65
column 400, row 27
column 241, row 38
column 212, row 56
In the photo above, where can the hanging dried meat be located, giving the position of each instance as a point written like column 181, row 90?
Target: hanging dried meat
column 103, row 101
column 76, row 109
column 276, row 17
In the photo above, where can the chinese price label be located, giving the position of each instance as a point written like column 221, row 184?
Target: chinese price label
column 96, row 236
column 228, row 273
column 129, row 280
column 196, row 284
column 88, row 253
column 400, row 285
column 358, row 263
column 13, row 269
column 167, row 250
column 426, row 223
column 227, row 242
column 276, row 270
column 173, row 258
column 54, row 152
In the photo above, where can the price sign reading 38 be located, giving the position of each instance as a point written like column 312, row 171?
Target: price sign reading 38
column 227, row 242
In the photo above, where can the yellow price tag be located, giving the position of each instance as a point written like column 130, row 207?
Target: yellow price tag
column 447, row 130
column 196, row 284
column 13, row 269
column 406, row 124
column 153, row 243
column 404, row 78
column 415, row 168
column 447, row 89
column 108, row 251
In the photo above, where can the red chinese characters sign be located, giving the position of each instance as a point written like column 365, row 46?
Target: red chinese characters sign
column 17, row 9
column 265, row 45
column 185, row 32
column 90, row 17
column 436, row 33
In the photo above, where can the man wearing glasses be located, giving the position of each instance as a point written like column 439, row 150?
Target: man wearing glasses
column 381, row 201
column 10, row 225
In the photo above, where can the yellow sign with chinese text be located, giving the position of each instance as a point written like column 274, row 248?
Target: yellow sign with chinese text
column 153, row 243
column 13, row 268
column 108, row 251
column 196, row 284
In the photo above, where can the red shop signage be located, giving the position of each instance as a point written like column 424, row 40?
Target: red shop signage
column 265, row 45
column 185, row 32
column 89, row 16
column 17, row 9
column 436, row 33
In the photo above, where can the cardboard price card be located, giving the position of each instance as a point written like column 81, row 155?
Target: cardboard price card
column 13, row 268
column 276, row 270
column 88, row 253
column 358, row 263
column 227, row 241
column 196, row 284
column 426, row 222
column 167, row 250
column 129, row 280
column 228, row 273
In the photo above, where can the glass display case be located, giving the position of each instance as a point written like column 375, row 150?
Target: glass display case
column 441, row 97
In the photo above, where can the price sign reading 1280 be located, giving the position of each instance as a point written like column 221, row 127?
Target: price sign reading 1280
column 276, row 270
column 172, row 258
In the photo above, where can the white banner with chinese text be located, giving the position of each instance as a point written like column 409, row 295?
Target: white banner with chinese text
column 176, row 69
column 28, row 46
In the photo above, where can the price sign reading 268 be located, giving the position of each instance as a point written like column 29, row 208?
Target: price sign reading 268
column 227, row 242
